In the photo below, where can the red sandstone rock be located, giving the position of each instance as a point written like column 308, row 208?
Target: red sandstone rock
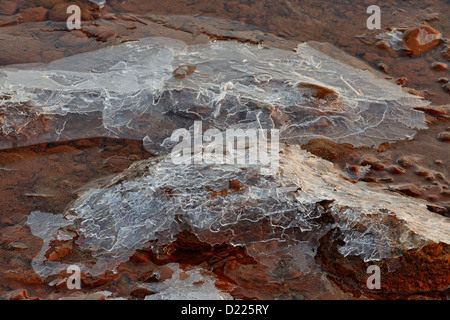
column 19, row 294
column 83, row 296
column 409, row 189
column 421, row 39
column 382, row 147
column 6, row 220
column 140, row 293
column 74, row 38
column 328, row 150
column 401, row 81
column 408, row 161
column 24, row 276
column 34, row 14
column 141, row 257
column 25, row 50
column 8, row 7
column 18, row 246
column 59, row 13
column 164, row 273
column 12, row 234
column 101, row 33
column 373, row 161
column 446, row 52
column 444, row 136
column 425, row 270
column 439, row 66
column 44, row 3
column 395, row 169
column 58, row 254
column 446, row 87
column 9, row 20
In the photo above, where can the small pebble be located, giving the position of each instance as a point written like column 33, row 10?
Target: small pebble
column 446, row 52
column 382, row 147
column 382, row 66
column 374, row 162
column 407, row 161
column 401, row 81
column 394, row 169
column 444, row 136
column 383, row 44
column 369, row 179
column 446, row 87
column 439, row 66
column 140, row 293
column 18, row 246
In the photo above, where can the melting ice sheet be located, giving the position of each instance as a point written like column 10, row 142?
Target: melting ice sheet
column 153, row 86
column 155, row 199
column 148, row 89
column 187, row 289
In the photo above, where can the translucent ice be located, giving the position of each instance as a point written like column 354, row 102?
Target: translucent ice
column 153, row 86
column 155, row 199
column 197, row 285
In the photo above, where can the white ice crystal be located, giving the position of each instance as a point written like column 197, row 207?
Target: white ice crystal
column 153, row 86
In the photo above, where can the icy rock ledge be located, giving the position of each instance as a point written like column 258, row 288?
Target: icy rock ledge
column 155, row 199
column 153, row 86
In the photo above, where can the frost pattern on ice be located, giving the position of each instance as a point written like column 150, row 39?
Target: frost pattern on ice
column 143, row 89
column 197, row 285
column 155, row 199
column 49, row 227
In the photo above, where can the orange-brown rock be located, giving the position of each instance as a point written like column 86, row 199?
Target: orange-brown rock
column 439, row 66
column 409, row 189
column 329, row 150
column 446, row 52
column 19, row 294
column 444, row 136
column 421, row 39
column 446, row 87
column 373, row 161
column 8, row 7
column 395, row 169
column 59, row 13
column 140, row 293
column 34, row 14
column 408, row 161
column 417, row 270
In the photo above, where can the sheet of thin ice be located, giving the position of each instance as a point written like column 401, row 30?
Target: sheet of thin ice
column 155, row 199
column 187, row 289
column 132, row 88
